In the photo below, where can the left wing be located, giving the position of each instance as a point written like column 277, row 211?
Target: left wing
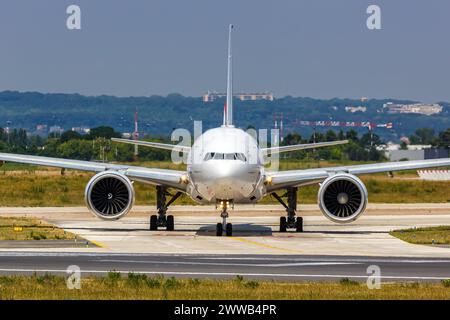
column 157, row 145
column 170, row 178
column 292, row 178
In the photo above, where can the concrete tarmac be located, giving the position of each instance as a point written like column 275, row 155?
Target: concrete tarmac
column 325, row 251
column 255, row 231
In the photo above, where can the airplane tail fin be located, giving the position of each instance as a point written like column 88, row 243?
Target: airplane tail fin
column 228, row 107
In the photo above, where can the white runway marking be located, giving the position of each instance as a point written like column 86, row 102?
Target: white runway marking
column 346, row 260
column 319, row 259
column 230, row 264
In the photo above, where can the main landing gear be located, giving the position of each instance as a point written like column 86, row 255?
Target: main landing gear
column 291, row 221
column 163, row 220
column 224, row 215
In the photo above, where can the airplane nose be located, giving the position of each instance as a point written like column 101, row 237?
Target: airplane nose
column 230, row 180
column 221, row 181
column 223, row 172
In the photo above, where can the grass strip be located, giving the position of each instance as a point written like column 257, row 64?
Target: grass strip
column 139, row 286
column 24, row 228
column 429, row 235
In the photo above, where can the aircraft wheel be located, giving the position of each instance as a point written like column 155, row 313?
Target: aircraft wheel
column 229, row 230
column 170, row 225
column 299, row 224
column 153, row 223
column 283, row 224
column 219, row 229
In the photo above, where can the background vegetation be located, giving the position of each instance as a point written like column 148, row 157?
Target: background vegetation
column 97, row 145
column 137, row 286
column 22, row 228
column 32, row 186
column 430, row 235
column 159, row 115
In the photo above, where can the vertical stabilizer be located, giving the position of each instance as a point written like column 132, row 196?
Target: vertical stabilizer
column 228, row 108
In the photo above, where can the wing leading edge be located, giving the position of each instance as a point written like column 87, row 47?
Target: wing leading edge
column 157, row 145
column 305, row 146
column 292, row 178
column 171, row 178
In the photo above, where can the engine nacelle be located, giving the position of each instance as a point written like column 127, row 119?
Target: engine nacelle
column 109, row 195
column 342, row 198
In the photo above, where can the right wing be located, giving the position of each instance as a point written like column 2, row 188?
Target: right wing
column 158, row 145
column 305, row 146
column 170, row 178
column 293, row 178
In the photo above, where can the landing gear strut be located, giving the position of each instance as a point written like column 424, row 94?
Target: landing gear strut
column 224, row 215
column 163, row 220
column 291, row 221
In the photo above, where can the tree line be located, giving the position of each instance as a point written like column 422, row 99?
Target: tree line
column 97, row 145
column 72, row 145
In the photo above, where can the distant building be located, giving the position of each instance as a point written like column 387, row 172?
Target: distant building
column 55, row 129
column 418, row 108
column 355, row 109
column 397, row 155
column 82, row 130
column 41, row 127
column 413, row 152
column 423, row 154
column 212, row 95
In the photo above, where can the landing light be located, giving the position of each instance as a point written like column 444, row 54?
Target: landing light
column 268, row 180
column 184, row 179
column 224, row 204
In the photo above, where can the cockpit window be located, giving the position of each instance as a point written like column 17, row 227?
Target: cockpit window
column 229, row 156
column 225, row 156
column 241, row 156
column 209, row 156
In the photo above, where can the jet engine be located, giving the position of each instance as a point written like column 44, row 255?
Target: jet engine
column 109, row 195
column 342, row 198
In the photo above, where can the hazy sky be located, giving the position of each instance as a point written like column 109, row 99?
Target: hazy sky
column 315, row 48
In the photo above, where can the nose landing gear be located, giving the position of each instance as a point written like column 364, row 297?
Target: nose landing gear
column 224, row 215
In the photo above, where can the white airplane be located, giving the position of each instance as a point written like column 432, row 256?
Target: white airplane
column 226, row 167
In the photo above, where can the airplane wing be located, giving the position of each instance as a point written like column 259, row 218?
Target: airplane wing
column 170, row 178
column 296, row 147
column 293, row 178
column 158, row 145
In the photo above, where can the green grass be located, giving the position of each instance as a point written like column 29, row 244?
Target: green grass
column 30, row 229
column 138, row 286
column 49, row 188
column 11, row 166
column 429, row 235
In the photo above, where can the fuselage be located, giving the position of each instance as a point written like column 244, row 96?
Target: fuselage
column 225, row 163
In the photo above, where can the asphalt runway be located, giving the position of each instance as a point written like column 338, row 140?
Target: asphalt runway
column 265, row 267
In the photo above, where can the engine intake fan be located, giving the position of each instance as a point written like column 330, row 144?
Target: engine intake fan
column 109, row 195
column 342, row 198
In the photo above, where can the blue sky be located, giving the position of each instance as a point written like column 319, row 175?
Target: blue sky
column 315, row 48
